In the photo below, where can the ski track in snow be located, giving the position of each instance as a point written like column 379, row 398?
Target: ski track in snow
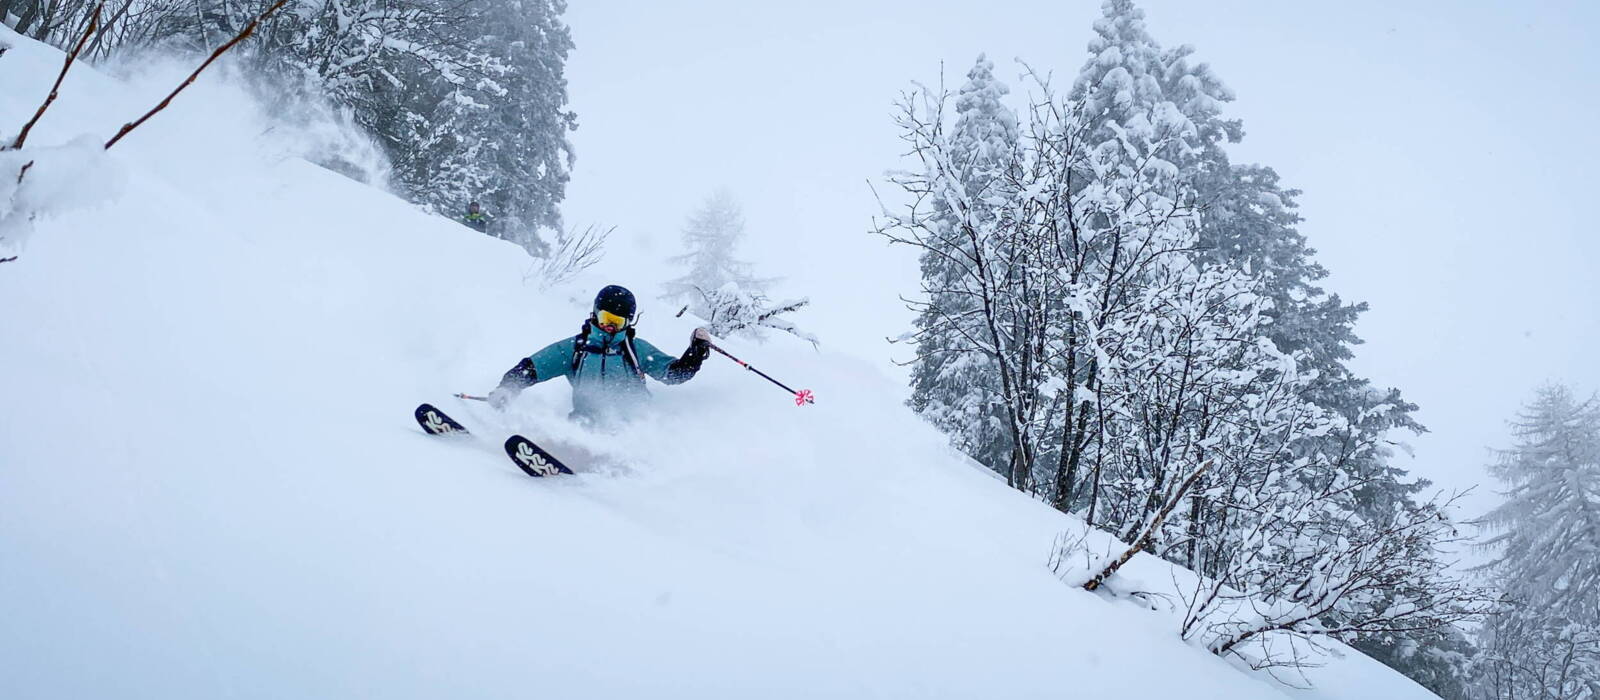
column 211, row 485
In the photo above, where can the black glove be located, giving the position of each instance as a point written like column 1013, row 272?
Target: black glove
column 512, row 383
column 684, row 368
column 520, row 377
column 699, row 347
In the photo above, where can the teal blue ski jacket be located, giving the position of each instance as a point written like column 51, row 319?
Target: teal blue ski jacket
column 606, row 370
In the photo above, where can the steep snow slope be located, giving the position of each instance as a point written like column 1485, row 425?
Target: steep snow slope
column 211, row 486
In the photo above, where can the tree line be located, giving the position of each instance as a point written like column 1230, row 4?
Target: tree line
column 467, row 98
column 1126, row 324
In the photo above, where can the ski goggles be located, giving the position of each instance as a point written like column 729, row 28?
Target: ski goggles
column 606, row 319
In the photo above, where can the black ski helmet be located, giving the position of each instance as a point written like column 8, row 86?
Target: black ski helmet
column 615, row 299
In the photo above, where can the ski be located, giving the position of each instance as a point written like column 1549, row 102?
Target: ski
column 435, row 422
column 529, row 457
column 533, row 459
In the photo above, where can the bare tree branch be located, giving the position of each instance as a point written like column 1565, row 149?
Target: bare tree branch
column 241, row 36
column 575, row 251
column 89, row 30
column 22, row 136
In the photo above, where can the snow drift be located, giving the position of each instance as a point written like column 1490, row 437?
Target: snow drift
column 211, row 485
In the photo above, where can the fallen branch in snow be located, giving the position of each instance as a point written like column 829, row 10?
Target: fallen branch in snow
column 22, row 136
column 242, row 35
column 1150, row 530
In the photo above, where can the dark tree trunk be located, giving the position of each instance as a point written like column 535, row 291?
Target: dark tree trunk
column 28, row 14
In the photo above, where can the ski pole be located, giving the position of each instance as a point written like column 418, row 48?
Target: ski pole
column 801, row 397
column 470, row 397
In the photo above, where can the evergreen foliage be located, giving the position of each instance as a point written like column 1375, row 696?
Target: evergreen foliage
column 953, row 383
column 467, row 98
column 720, row 288
column 1109, row 302
column 1544, row 640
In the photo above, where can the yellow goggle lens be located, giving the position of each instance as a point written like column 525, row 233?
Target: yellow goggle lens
column 606, row 318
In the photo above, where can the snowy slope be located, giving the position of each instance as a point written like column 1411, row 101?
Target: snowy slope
column 211, row 486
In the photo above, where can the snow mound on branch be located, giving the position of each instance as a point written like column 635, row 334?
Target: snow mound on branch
column 210, row 484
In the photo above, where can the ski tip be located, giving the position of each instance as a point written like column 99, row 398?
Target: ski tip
column 532, row 459
column 436, row 422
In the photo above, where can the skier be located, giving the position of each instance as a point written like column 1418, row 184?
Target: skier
column 476, row 219
column 604, row 363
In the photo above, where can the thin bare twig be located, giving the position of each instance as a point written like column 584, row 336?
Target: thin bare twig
column 575, row 252
column 22, row 137
column 243, row 34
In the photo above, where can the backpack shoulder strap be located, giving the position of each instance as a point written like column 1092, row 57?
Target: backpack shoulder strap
column 577, row 346
column 631, row 355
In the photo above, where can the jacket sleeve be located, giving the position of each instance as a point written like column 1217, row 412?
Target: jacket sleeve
column 555, row 360
column 668, row 369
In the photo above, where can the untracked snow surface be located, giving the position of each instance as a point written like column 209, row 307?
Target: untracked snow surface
column 211, row 484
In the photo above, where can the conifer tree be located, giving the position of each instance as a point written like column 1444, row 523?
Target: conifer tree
column 468, row 98
column 953, row 384
column 500, row 136
column 1544, row 641
column 1248, row 221
column 720, row 288
column 1137, row 305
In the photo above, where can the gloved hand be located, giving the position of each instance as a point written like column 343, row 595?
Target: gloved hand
column 501, row 397
column 684, row 368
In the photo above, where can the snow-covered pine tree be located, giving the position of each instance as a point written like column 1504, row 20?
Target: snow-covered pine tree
column 500, row 137
column 1127, row 355
column 533, row 159
column 710, row 240
column 1544, row 641
column 720, row 288
column 954, row 384
column 1132, row 190
column 467, row 97
column 1441, row 663
column 1248, row 222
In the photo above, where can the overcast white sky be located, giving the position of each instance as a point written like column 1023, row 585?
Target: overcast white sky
column 1447, row 150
